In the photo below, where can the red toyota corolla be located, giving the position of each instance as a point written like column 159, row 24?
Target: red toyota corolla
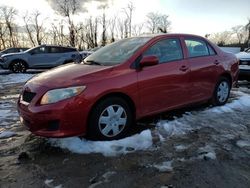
column 125, row 81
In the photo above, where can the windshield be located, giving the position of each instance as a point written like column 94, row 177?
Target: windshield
column 117, row 52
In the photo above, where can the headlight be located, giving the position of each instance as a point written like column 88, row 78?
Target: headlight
column 56, row 95
column 3, row 59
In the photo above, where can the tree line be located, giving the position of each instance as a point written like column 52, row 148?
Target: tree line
column 238, row 36
column 34, row 29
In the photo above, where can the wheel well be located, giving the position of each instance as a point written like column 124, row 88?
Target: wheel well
column 228, row 76
column 15, row 60
column 116, row 94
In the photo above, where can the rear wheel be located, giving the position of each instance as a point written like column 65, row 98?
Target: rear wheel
column 110, row 119
column 221, row 92
column 18, row 66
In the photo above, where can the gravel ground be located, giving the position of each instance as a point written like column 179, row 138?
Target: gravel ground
column 200, row 146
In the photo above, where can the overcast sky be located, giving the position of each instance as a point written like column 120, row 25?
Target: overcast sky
column 187, row 16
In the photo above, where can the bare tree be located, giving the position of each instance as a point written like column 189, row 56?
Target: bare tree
column 152, row 22
column 91, row 30
column 158, row 23
column 3, row 30
column 58, row 35
column 104, row 24
column 38, row 25
column 120, row 28
column 67, row 8
column 221, row 38
column 238, row 30
column 8, row 14
column 112, row 24
column 247, row 27
column 164, row 23
column 137, row 29
column 29, row 30
column 129, row 13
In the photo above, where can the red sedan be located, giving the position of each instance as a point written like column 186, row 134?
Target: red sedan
column 125, row 81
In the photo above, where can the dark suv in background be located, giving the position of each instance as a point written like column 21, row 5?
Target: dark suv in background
column 44, row 56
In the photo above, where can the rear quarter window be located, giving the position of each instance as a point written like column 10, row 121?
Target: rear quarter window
column 65, row 50
column 197, row 48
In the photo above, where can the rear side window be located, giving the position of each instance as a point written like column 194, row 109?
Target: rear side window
column 197, row 48
column 54, row 50
column 166, row 50
column 40, row 50
column 65, row 50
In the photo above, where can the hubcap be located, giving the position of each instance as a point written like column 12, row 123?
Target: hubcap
column 112, row 120
column 18, row 67
column 223, row 91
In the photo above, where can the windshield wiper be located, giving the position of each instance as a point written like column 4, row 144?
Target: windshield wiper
column 92, row 62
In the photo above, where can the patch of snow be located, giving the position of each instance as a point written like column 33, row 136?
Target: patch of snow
column 105, row 178
column 10, row 96
column 15, row 78
column 180, row 148
column 242, row 102
column 243, row 143
column 136, row 142
column 4, row 113
column 174, row 127
column 165, row 166
column 7, row 134
column 48, row 182
column 206, row 152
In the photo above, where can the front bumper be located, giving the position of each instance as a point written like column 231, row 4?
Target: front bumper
column 3, row 65
column 62, row 119
column 244, row 74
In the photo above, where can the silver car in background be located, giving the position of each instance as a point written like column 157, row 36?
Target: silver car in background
column 44, row 56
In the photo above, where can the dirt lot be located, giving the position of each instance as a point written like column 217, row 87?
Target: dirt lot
column 202, row 146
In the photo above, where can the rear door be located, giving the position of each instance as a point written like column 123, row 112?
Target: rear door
column 203, row 62
column 163, row 86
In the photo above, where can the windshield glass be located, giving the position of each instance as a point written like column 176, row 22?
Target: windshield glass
column 117, row 52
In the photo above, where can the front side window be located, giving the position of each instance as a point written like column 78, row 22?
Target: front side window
column 196, row 47
column 38, row 50
column 166, row 50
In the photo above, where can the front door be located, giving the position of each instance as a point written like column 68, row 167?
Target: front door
column 165, row 85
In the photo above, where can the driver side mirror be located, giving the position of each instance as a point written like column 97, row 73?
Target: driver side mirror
column 149, row 61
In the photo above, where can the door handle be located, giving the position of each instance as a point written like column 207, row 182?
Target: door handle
column 216, row 62
column 183, row 68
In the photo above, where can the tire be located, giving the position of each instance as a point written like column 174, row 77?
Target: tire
column 110, row 119
column 18, row 66
column 221, row 92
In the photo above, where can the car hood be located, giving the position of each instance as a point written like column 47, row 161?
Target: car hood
column 243, row 55
column 69, row 75
column 12, row 54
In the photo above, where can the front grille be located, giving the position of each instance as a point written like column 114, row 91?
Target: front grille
column 244, row 62
column 28, row 96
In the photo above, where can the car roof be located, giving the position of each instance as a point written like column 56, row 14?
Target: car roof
column 48, row 45
column 169, row 35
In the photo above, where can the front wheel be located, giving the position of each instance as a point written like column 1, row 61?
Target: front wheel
column 110, row 119
column 221, row 92
column 18, row 67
